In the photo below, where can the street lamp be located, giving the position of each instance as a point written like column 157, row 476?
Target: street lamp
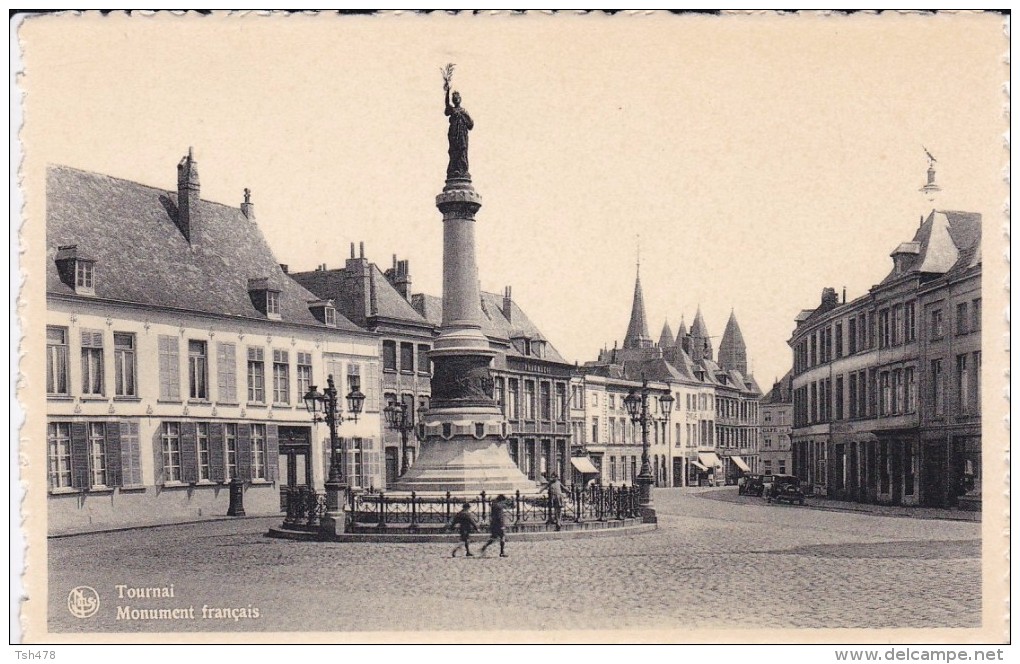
column 332, row 416
column 398, row 418
column 637, row 407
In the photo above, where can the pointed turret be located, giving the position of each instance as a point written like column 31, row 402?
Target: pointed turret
column 732, row 350
column 637, row 330
column 701, row 344
column 666, row 338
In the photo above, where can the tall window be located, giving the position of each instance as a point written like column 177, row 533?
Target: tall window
column 561, row 402
column 91, row 362
column 938, row 387
column 962, row 318
column 962, row 383
column 124, row 364
column 976, row 382
column 198, row 370
column 883, row 328
column 839, row 340
column 272, row 303
column 304, row 374
column 97, row 453
column 839, row 397
column 281, row 377
column 512, row 408
column 595, row 430
column 169, row 369
column 130, row 454
column 529, row 399
column 202, row 442
column 56, row 360
column 230, row 444
column 389, row 353
column 258, row 451
column 910, row 385
column 84, row 274
column 423, row 359
column 937, row 327
column 851, row 336
column 256, row 375
column 500, row 393
column 975, row 315
column 886, row 387
column 896, row 326
column 406, row 356
column 171, row 441
column 910, row 322
column 862, row 332
column 226, row 372
column 58, row 438
column 899, row 392
column 545, row 392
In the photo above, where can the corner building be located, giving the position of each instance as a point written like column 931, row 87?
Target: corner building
column 177, row 355
column 886, row 387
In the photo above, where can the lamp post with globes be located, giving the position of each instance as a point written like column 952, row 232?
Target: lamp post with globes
column 399, row 418
column 637, row 407
column 332, row 415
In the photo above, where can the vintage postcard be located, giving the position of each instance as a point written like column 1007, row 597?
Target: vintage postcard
column 547, row 327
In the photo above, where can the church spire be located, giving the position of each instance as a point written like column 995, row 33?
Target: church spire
column 732, row 350
column 637, row 330
column 701, row 344
column 666, row 338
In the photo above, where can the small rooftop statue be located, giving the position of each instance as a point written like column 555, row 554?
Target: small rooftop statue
column 460, row 125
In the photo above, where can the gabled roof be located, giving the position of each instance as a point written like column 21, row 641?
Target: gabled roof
column 782, row 390
column 142, row 257
column 339, row 285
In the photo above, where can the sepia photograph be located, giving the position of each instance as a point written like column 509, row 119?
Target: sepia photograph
column 513, row 327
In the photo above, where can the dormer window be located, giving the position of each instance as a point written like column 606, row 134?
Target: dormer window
column 76, row 270
column 265, row 297
column 324, row 311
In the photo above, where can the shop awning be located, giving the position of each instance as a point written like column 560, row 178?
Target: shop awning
column 709, row 459
column 740, row 464
column 698, row 465
column 584, row 465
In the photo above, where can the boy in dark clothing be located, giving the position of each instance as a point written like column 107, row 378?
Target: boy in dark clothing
column 466, row 523
column 497, row 525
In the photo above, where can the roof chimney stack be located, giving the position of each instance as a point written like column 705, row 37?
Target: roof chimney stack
column 508, row 304
column 188, row 214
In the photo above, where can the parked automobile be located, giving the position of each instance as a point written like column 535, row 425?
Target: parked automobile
column 752, row 486
column 785, row 488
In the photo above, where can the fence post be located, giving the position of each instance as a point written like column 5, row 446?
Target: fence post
column 382, row 509
column 448, row 515
column 483, row 505
column 578, row 502
column 414, row 511
column 517, row 506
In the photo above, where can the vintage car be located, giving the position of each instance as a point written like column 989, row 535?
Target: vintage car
column 752, row 486
column 785, row 488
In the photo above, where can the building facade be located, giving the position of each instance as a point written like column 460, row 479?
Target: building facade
column 776, row 413
column 178, row 352
column 887, row 387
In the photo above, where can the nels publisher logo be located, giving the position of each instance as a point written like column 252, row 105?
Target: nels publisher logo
column 83, row 602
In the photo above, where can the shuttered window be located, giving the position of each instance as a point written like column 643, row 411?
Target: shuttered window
column 56, row 360
column 92, row 362
column 281, row 377
column 171, row 446
column 304, row 374
column 124, row 364
column 230, row 447
column 256, row 375
column 169, row 368
column 130, row 454
column 226, row 372
column 258, row 451
column 198, row 370
column 58, row 438
column 204, row 452
column 97, row 453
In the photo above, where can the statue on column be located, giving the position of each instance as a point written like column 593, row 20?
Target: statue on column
column 460, row 125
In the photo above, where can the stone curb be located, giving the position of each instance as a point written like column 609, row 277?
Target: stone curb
column 445, row 538
column 165, row 524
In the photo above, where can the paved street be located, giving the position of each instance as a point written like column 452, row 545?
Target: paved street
column 712, row 563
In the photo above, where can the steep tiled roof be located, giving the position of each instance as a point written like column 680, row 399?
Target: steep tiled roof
column 339, row 285
column 782, row 391
column 682, row 332
column 732, row 350
column 940, row 241
column 637, row 328
column 698, row 328
column 666, row 338
column 142, row 257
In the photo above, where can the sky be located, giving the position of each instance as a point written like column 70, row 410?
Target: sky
column 755, row 159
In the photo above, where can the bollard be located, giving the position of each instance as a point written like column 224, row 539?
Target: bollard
column 382, row 510
column 236, row 507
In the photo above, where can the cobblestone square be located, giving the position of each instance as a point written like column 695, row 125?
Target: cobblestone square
column 711, row 563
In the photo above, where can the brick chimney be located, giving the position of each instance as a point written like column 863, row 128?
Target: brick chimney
column 829, row 299
column 399, row 276
column 356, row 298
column 188, row 214
column 247, row 207
column 508, row 304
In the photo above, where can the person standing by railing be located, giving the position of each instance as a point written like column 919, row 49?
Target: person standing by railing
column 554, row 487
column 466, row 523
column 497, row 525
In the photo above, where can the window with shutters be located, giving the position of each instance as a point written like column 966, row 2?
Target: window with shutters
column 389, row 349
column 169, row 369
column 230, row 445
column 512, row 394
column 124, row 364
column 304, row 374
column 92, row 362
column 423, row 360
column 226, row 372
column 561, row 402
column 56, row 360
column 58, row 436
column 499, row 390
column 97, row 453
column 281, row 377
column 171, row 442
column 258, row 452
column 130, row 454
column 204, row 460
column 529, row 399
column 407, row 357
column 545, row 401
column 910, row 386
column 198, row 370
column 910, row 322
column 256, row 375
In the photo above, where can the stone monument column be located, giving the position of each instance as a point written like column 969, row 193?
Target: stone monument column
column 464, row 450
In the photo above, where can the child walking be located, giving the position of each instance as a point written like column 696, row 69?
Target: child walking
column 466, row 523
column 497, row 525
